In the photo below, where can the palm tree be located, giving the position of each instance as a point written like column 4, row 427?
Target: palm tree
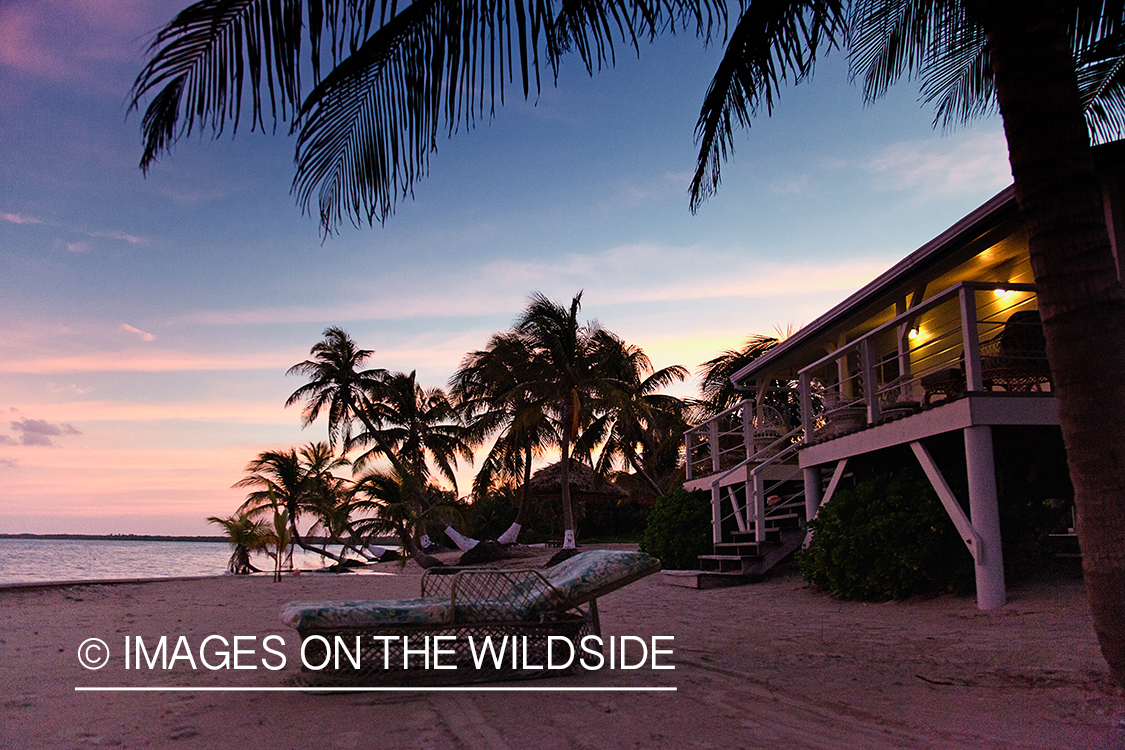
column 396, row 76
column 338, row 385
column 488, row 388
column 296, row 480
column 385, row 504
column 1054, row 68
column 716, row 388
column 573, row 372
column 414, row 427
column 245, row 536
column 639, row 426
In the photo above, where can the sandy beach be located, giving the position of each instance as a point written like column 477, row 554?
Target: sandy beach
column 772, row 665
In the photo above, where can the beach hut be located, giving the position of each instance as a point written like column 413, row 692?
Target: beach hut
column 944, row 346
column 586, row 486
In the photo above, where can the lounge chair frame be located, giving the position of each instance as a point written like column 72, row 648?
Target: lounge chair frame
column 519, row 607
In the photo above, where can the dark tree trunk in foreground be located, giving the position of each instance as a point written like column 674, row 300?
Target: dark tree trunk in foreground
column 1081, row 300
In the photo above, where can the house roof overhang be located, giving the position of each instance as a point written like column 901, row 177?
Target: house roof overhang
column 997, row 217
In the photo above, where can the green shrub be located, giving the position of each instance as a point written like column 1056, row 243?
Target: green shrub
column 679, row 529
column 887, row 538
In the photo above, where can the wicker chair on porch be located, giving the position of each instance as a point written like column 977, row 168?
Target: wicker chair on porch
column 769, row 427
column 1014, row 360
column 529, row 606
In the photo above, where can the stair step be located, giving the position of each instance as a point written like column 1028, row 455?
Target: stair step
column 724, row 563
column 747, row 537
column 706, row 579
column 739, row 549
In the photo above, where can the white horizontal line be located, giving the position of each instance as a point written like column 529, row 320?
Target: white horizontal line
column 353, row 689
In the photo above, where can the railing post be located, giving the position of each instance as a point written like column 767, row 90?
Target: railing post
column 716, row 514
column 971, row 339
column 688, row 455
column 713, row 438
column 805, row 388
column 759, row 492
column 870, row 386
column 747, row 428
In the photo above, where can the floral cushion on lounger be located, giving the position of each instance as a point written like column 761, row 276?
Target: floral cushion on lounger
column 597, row 572
column 343, row 614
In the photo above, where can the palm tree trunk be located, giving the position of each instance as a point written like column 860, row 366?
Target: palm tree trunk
column 1081, row 300
column 564, row 476
column 512, row 534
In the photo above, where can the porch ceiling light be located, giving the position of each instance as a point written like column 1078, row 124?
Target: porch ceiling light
column 1000, row 292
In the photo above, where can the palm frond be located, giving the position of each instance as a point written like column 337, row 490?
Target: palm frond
column 774, row 42
column 199, row 63
column 1101, row 82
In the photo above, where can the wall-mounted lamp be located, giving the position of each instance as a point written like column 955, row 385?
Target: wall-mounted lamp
column 913, row 333
column 1000, row 292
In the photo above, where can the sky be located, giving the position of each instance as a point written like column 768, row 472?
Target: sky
column 147, row 322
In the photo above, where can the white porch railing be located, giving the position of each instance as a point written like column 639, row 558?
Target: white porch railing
column 932, row 349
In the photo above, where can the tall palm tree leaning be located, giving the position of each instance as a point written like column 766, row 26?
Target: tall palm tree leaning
column 367, row 127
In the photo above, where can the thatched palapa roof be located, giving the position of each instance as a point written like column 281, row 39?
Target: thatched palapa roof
column 583, row 482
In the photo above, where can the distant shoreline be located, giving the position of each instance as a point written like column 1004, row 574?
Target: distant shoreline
column 159, row 538
column 118, row 537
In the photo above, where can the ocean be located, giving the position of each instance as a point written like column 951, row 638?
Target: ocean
column 46, row 560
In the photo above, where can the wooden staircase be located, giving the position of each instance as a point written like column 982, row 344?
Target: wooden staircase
column 744, row 560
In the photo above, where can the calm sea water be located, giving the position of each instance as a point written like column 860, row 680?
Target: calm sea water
column 40, row 560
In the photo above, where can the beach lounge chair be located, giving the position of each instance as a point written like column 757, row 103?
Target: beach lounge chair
column 473, row 612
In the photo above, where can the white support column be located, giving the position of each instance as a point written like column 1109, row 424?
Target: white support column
column 748, row 428
column 984, row 511
column 870, row 384
column 814, row 491
column 807, row 420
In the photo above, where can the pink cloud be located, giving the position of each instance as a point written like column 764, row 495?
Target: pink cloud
column 145, row 336
column 59, row 40
column 20, row 219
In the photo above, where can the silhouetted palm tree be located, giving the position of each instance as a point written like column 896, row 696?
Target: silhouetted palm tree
column 245, row 535
column 638, row 424
column 396, row 76
column 295, row 480
column 338, row 385
column 416, row 428
column 716, row 389
column 575, row 368
column 384, row 503
column 488, row 388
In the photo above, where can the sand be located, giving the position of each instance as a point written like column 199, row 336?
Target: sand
column 772, row 665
